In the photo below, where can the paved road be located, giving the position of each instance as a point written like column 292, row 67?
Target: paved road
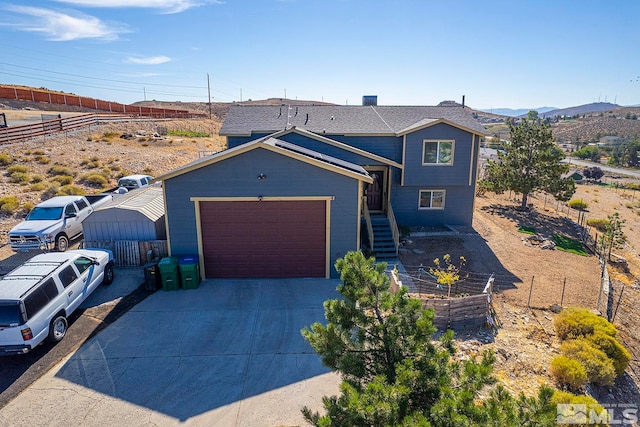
column 229, row 353
column 605, row 168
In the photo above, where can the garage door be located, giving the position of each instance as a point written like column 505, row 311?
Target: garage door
column 264, row 238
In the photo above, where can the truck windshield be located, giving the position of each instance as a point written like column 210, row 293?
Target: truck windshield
column 9, row 314
column 45, row 213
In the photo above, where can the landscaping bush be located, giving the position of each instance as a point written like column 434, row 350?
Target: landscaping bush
column 568, row 372
column 61, row 170
column 576, row 322
column 5, row 159
column 616, row 352
column 63, row 179
column 17, row 168
column 9, row 204
column 598, row 224
column 579, row 205
column 95, row 180
column 598, row 367
column 70, row 190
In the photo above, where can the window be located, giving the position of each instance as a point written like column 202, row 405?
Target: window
column 431, row 199
column 81, row 204
column 437, row 152
column 67, row 276
column 70, row 210
column 83, row 264
column 40, row 297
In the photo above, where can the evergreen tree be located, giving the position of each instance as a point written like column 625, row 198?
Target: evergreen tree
column 531, row 161
column 394, row 373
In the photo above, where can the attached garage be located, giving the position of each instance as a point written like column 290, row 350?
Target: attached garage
column 266, row 208
column 268, row 238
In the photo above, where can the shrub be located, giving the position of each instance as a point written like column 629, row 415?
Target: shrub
column 148, row 170
column 568, row 372
column 90, row 164
column 616, row 352
column 17, row 168
column 27, row 207
column 38, row 153
column 94, row 180
column 9, row 204
column 576, row 322
column 61, row 170
column 110, row 135
column 598, row 224
column 579, row 205
column 63, row 179
column 70, row 190
column 36, row 178
column 39, row 186
column 564, row 397
column 19, row 178
column 5, row 159
column 43, row 160
column 597, row 365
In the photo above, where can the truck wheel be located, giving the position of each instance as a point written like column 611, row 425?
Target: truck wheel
column 57, row 329
column 62, row 243
column 108, row 274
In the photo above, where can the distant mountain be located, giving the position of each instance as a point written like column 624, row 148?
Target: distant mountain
column 518, row 112
column 594, row 107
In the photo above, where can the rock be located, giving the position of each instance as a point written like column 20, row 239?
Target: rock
column 556, row 308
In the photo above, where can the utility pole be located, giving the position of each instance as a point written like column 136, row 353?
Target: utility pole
column 144, row 91
column 209, row 92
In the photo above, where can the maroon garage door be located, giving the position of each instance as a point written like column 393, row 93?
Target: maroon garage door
column 264, row 239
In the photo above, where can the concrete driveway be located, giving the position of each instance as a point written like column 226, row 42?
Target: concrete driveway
column 229, row 353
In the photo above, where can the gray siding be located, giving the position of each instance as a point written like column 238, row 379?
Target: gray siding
column 119, row 224
column 237, row 177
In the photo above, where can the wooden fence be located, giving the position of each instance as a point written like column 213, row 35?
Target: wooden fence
column 68, row 99
column 47, row 128
column 455, row 313
column 132, row 253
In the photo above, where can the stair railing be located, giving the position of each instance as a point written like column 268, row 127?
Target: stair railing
column 367, row 218
column 394, row 227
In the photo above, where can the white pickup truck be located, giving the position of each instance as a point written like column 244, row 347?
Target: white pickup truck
column 54, row 222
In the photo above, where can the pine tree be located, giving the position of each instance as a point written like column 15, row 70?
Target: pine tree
column 530, row 161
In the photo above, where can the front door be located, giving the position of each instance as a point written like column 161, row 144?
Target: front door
column 375, row 191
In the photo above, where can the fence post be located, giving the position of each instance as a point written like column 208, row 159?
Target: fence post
column 617, row 305
column 563, row 286
column 530, row 292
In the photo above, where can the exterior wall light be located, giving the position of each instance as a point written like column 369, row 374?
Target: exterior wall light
column 261, row 177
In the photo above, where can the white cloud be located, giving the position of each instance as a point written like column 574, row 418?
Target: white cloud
column 167, row 6
column 149, row 60
column 58, row 26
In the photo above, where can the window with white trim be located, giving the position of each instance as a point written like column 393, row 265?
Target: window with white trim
column 436, row 152
column 431, row 199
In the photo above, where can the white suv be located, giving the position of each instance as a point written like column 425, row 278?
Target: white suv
column 37, row 297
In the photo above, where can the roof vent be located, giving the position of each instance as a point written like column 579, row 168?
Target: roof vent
column 370, row 100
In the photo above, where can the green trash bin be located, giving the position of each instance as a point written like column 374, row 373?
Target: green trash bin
column 189, row 271
column 169, row 275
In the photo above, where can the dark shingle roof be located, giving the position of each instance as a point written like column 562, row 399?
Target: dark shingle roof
column 341, row 119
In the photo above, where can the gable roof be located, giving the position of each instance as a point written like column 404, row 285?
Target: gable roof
column 242, row 120
column 281, row 147
column 147, row 200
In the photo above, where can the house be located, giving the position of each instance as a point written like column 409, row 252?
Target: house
column 298, row 186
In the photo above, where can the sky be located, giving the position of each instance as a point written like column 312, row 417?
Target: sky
column 498, row 54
